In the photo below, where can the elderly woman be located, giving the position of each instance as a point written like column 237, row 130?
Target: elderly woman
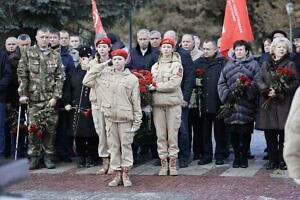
column 240, row 119
column 101, row 60
column 167, row 74
column 118, row 91
column 271, row 118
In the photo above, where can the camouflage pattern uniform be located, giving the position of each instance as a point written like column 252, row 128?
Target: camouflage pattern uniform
column 42, row 76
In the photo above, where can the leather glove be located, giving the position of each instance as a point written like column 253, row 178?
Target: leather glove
column 152, row 87
column 68, row 107
column 24, row 100
column 52, row 102
column 297, row 180
column 198, row 82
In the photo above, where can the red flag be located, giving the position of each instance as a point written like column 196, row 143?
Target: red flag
column 236, row 25
column 96, row 19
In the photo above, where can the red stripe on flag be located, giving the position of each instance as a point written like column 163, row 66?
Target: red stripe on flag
column 97, row 19
column 236, row 25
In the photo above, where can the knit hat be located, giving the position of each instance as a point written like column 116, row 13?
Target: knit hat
column 85, row 51
column 297, row 32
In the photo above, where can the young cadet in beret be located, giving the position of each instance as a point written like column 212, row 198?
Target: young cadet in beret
column 101, row 60
column 118, row 91
column 167, row 97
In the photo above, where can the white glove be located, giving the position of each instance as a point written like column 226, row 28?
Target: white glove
column 297, row 180
column 24, row 100
column 152, row 87
column 68, row 107
column 52, row 102
column 198, row 82
column 132, row 130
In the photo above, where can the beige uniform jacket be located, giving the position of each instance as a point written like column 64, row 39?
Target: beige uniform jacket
column 291, row 151
column 168, row 75
column 101, row 66
column 118, row 92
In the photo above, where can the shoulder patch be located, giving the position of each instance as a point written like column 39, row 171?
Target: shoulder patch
column 180, row 72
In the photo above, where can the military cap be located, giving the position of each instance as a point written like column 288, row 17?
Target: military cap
column 85, row 51
column 104, row 40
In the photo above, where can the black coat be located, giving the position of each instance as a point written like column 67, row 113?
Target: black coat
column 71, row 95
column 275, row 116
column 140, row 61
column 188, row 79
column 5, row 76
column 210, row 101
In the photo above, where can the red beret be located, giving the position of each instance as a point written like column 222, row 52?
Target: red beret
column 119, row 52
column 104, row 40
column 167, row 41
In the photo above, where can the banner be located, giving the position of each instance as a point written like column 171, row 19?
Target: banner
column 96, row 19
column 236, row 25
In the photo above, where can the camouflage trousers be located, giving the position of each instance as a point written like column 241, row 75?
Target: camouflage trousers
column 37, row 143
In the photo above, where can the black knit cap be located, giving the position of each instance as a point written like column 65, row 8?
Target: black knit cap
column 85, row 51
column 297, row 32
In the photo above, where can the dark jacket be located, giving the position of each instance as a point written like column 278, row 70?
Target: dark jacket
column 275, row 116
column 244, row 109
column 71, row 95
column 188, row 79
column 67, row 60
column 5, row 76
column 140, row 61
column 210, row 101
column 13, row 95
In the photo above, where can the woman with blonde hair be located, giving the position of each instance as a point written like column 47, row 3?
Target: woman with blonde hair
column 275, row 101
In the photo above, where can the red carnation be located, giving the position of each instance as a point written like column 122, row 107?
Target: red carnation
column 143, row 89
column 39, row 133
column 32, row 128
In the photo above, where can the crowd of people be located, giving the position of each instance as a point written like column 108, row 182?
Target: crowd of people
column 84, row 101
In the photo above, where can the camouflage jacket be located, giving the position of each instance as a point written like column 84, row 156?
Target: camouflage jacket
column 41, row 74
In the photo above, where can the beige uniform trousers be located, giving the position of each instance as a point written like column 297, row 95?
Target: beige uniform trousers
column 167, row 121
column 120, row 140
column 99, row 123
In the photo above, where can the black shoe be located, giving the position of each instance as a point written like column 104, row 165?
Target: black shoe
column 250, row 156
column 157, row 162
column 204, row 161
column 271, row 165
column 236, row 163
column 196, row 157
column 244, row 164
column 90, row 162
column 183, row 163
column 282, row 165
column 219, row 162
column 81, row 162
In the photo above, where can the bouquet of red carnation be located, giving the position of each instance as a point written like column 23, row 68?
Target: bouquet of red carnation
column 12, row 119
column 280, row 78
column 238, row 92
column 145, row 80
column 199, row 75
column 40, row 121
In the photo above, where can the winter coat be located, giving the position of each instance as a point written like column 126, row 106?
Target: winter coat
column 5, row 76
column 140, row 61
column 291, row 151
column 118, row 92
column 13, row 95
column 275, row 116
column 244, row 109
column 188, row 79
column 167, row 73
column 210, row 101
column 72, row 93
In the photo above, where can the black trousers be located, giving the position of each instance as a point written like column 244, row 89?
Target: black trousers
column 196, row 140
column 241, row 143
column 209, row 120
column 275, row 139
column 87, row 146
